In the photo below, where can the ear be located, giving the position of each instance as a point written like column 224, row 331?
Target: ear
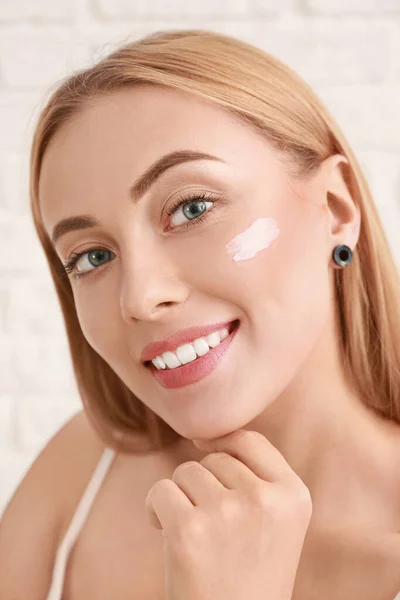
column 343, row 210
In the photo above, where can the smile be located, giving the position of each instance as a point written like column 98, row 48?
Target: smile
column 192, row 350
column 195, row 365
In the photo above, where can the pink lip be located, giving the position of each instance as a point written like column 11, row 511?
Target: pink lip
column 196, row 370
column 178, row 339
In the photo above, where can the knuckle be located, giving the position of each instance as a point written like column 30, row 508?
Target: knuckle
column 303, row 500
column 189, row 532
column 213, row 456
column 295, row 501
column 253, row 436
column 281, row 503
column 182, row 467
column 263, row 499
column 229, row 508
column 195, row 527
column 160, row 487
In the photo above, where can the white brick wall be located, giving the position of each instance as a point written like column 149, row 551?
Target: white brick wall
column 356, row 7
column 348, row 50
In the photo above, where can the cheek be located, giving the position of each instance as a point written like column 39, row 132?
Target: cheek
column 275, row 271
column 96, row 321
column 291, row 296
column 226, row 263
column 235, row 263
column 256, row 238
column 280, row 260
column 94, row 334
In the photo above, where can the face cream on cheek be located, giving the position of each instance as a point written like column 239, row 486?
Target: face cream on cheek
column 255, row 238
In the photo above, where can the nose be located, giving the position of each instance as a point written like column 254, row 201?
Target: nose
column 150, row 285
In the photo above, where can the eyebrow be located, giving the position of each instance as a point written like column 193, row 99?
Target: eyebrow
column 136, row 191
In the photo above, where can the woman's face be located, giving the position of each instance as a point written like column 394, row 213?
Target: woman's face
column 152, row 276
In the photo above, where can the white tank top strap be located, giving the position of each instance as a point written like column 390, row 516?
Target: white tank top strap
column 77, row 522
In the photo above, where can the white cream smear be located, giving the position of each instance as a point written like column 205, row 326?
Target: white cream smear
column 261, row 233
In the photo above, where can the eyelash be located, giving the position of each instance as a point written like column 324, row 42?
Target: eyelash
column 69, row 265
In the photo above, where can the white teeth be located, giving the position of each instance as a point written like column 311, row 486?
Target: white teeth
column 201, row 347
column 189, row 352
column 223, row 333
column 171, row 360
column 159, row 362
column 213, row 339
column 186, row 353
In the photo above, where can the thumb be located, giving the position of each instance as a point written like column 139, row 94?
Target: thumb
column 213, row 443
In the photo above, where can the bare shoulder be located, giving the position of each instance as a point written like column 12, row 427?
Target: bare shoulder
column 34, row 520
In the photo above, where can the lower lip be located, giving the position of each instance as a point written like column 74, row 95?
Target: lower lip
column 195, row 370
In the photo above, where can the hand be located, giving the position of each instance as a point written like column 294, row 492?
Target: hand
column 233, row 524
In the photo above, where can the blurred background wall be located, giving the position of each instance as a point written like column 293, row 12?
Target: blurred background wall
column 348, row 50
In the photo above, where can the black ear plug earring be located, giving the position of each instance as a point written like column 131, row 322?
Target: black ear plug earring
column 342, row 255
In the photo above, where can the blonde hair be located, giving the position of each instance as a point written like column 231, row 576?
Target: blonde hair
column 274, row 100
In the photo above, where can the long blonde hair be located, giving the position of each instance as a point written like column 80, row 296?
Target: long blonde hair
column 272, row 98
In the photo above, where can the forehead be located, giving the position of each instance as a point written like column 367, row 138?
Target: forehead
column 98, row 153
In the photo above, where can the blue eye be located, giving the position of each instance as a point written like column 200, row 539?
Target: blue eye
column 191, row 206
column 69, row 266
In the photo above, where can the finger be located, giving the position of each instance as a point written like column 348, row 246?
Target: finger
column 166, row 503
column 199, row 484
column 255, row 451
column 230, row 471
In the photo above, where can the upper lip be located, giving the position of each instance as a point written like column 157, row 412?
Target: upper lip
column 178, row 339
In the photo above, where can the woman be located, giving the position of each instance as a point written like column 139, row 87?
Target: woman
column 191, row 188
